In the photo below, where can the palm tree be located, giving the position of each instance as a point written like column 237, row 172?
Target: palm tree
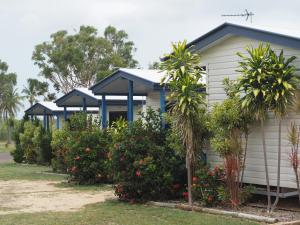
column 282, row 95
column 9, row 106
column 182, row 77
column 34, row 89
column 254, row 88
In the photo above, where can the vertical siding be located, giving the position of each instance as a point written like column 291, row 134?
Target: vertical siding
column 221, row 61
column 153, row 100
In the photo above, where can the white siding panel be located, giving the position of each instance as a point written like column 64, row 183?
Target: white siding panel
column 221, row 61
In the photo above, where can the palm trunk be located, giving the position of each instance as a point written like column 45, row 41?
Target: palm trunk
column 189, row 177
column 278, row 167
column 244, row 159
column 9, row 134
column 266, row 163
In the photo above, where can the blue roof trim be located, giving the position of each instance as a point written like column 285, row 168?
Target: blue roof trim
column 75, row 92
column 233, row 29
column 47, row 110
column 121, row 74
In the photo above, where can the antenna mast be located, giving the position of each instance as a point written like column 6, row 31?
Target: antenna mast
column 246, row 14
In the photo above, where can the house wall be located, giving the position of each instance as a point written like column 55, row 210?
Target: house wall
column 221, row 61
column 152, row 100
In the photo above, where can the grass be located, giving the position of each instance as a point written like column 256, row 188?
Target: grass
column 117, row 213
column 4, row 148
column 110, row 212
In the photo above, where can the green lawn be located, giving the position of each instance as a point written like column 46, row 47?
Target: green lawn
column 110, row 212
column 4, row 148
column 114, row 212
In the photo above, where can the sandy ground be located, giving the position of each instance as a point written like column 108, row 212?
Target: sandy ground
column 38, row 196
column 5, row 157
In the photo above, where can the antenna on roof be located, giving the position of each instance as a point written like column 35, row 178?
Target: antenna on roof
column 246, row 14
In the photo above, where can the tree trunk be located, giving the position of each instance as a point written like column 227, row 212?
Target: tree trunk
column 278, row 167
column 244, row 159
column 189, row 177
column 9, row 134
column 266, row 163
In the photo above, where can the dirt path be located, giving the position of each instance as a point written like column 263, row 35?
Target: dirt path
column 37, row 196
column 5, row 157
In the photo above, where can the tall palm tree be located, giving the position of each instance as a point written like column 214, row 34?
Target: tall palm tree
column 9, row 106
column 255, row 92
column 182, row 77
column 283, row 84
column 34, row 89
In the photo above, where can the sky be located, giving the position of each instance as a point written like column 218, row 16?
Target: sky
column 151, row 24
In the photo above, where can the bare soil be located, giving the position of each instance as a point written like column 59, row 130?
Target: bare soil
column 22, row 196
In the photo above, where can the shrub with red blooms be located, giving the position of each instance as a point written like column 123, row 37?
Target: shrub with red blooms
column 144, row 168
column 207, row 185
column 83, row 150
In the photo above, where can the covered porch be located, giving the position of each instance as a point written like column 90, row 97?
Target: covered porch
column 132, row 83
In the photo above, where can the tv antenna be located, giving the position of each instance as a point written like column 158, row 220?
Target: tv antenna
column 246, row 14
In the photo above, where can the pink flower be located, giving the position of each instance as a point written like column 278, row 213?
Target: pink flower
column 138, row 173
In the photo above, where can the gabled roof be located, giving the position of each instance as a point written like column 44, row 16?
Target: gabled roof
column 50, row 108
column 280, row 37
column 74, row 99
column 147, row 78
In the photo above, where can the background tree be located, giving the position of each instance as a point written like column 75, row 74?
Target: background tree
column 154, row 65
column 34, row 89
column 183, row 75
column 10, row 105
column 254, row 89
column 79, row 60
column 283, row 86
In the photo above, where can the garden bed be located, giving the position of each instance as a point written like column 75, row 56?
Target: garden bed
column 256, row 212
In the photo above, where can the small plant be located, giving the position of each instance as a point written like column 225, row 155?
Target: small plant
column 294, row 138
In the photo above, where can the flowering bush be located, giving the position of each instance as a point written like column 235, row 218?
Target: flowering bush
column 81, row 149
column 208, row 185
column 143, row 166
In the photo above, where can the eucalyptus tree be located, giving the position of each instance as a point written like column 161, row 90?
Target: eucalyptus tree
column 183, row 75
column 255, row 92
column 283, row 85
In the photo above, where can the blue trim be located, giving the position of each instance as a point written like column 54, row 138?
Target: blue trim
column 233, row 29
column 162, row 105
column 100, row 103
column 65, row 113
column 31, row 117
column 130, row 101
column 84, row 104
column 103, row 112
column 48, row 125
column 45, row 122
column 57, row 121
column 96, row 89
column 75, row 92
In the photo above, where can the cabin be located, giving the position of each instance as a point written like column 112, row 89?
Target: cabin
column 218, row 50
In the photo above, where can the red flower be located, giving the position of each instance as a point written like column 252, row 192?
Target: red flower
column 194, row 179
column 138, row 173
column 185, row 195
column 176, row 186
column 77, row 157
column 87, row 150
column 73, row 169
column 210, row 198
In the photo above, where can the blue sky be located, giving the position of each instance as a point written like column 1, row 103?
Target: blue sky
column 151, row 24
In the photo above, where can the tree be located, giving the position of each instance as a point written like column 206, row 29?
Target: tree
column 34, row 89
column 154, row 65
column 10, row 105
column 183, row 75
column 254, row 89
column 283, row 85
column 79, row 60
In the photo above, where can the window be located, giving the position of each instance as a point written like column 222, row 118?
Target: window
column 116, row 115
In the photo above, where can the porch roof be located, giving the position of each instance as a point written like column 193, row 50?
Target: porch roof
column 50, row 108
column 117, row 83
column 74, row 99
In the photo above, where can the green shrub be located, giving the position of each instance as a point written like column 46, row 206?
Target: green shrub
column 144, row 167
column 208, row 186
column 81, row 149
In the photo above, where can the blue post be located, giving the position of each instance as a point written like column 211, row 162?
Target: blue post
column 84, row 104
column 57, row 121
column 65, row 113
column 130, row 101
column 103, row 111
column 99, row 103
column 45, row 122
column 32, row 118
column 162, row 105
